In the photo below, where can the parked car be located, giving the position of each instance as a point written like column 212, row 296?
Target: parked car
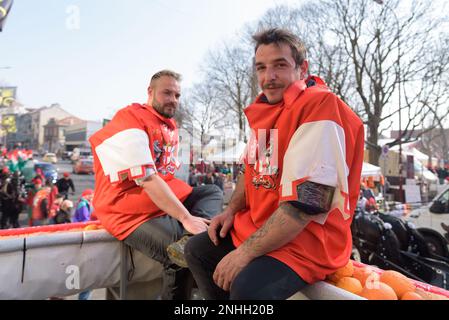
column 428, row 219
column 66, row 155
column 79, row 153
column 84, row 165
column 49, row 170
column 50, row 157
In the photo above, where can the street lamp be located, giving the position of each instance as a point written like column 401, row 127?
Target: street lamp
column 399, row 94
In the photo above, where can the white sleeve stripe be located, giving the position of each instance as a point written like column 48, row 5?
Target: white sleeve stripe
column 126, row 151
column 317, row 151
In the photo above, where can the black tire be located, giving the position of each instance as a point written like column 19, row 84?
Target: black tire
column 436, row 243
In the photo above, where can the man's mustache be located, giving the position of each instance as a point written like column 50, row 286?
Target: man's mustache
column 273, row 85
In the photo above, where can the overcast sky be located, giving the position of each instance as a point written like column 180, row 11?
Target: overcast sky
column 96, row 56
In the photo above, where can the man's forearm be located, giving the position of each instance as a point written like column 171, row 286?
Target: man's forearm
column 238, row 200
column 281, row 228
column 164, row 198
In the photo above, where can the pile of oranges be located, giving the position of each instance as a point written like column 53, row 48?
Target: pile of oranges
column 389, row 285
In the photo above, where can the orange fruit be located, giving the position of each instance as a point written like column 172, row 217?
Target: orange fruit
column 400, row 283
column 345, row 271
column 350, row 284
column 424, row 294
column 91, row 227
column 362, row 274
column 410, row 295
column 378, row 291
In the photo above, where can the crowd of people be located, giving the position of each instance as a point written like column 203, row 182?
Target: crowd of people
column 209, row 173
column 367, row 200
column 25, row 188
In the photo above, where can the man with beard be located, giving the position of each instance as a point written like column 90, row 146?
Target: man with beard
column 137, row 197
column 288, row 222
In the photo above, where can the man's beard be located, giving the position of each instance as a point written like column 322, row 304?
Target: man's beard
column 160, row 109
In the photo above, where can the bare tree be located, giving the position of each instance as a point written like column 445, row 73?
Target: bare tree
column 382, row 60
column 229, row 71
column 385, row 53
column 203, row 111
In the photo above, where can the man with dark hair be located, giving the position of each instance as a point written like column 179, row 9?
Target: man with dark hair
column 288, row 222
column 137, row 197
column 64, row 185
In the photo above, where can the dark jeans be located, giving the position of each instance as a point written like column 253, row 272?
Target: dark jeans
column 10, row 213
column 153, row 237
column 264, row 278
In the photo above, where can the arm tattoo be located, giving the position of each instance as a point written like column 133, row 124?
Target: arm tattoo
column 279, row 219
column 295, row 213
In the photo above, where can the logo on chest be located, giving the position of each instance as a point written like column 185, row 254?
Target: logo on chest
column 165, row 150
column 263, row 159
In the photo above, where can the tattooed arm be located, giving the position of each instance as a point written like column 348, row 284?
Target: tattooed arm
column 282, row 227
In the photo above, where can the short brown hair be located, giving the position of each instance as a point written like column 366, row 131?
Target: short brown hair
column 166, row 73
column 278, row 36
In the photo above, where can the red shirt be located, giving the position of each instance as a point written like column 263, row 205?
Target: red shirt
column 40, row 196
column 137, row 140
column 318, row 139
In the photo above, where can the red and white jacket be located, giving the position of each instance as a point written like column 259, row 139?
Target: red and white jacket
column 136, row 143
column 311, row 135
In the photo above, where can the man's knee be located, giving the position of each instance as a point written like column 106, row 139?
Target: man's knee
column 210, row 190
column 214, row 189
column 194, row 247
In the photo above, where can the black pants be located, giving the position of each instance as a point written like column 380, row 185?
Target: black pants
column 264, row 278
column 153, row 237
column 10, row 213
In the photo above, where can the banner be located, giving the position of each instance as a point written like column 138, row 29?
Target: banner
column 5, row 7
column 7, row 96
column 9, row 123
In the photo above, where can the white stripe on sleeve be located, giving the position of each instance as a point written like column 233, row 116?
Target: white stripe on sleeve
column 317, row 153
column 125, row 152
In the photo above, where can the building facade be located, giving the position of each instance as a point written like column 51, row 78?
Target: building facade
column 77, row 135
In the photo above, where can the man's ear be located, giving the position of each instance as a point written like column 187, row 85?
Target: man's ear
column 304, row 70
column 150, row 94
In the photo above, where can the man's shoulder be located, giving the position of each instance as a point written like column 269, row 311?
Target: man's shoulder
column 126, row 118
column 320, row 102
column 318, row 93
column 130, row 109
